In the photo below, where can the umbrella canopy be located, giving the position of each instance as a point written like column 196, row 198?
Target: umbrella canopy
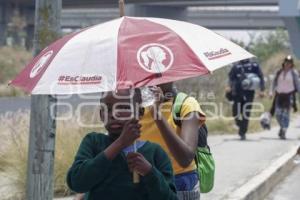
column 127, row 52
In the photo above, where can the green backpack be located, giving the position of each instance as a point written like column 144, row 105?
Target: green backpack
column 204, row 159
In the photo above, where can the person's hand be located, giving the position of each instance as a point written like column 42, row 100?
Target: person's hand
column 131, row 131
column 136, row 162
column 158, row 94
column 271, row 95
column 227, row 89
column 295, row 109
column 159, row 99
column 79, row 196
column 261, row 94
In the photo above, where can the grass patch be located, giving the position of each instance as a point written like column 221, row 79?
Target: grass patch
column 14, row 129
column 12, row 61
column 10, row 91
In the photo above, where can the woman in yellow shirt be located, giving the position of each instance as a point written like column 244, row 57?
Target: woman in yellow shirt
column 180, row 143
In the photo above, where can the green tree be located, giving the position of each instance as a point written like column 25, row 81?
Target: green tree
column 267, row 45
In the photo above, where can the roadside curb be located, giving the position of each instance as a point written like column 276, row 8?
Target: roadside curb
column 260, row 185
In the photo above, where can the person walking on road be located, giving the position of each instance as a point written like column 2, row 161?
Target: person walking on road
column 284, row 88
column 244, row 78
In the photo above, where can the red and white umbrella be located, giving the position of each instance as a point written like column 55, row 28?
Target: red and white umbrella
column 127, row 51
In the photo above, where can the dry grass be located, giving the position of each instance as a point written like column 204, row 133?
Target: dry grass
column 9, row 91
column 14, row 128
column 13, row 152
column 12, row 60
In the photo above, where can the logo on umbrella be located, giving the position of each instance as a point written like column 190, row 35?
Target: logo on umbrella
column 155, row 58
column 40, row 64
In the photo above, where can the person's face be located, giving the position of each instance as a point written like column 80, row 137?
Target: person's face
column 165, row 87
column 287, row 65
column 117, row 109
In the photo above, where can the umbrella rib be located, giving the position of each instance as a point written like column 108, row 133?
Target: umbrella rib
column 148, row 78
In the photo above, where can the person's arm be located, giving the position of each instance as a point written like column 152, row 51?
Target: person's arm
column 296, row 80
column 130, row 132
column 231, row 76
column 159, row 181
column 231, row 80
column 182, row 146
column 261, row 77
column 274, row 84
column 87, row 169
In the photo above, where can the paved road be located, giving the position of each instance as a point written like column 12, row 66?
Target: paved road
column 12, row 104
column 289, row 189
column 239, row 161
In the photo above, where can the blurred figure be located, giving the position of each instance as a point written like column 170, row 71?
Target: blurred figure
column 244, row 78
column 265, row 120
column 285, row 86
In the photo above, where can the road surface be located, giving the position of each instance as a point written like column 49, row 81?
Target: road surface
column 289, row 188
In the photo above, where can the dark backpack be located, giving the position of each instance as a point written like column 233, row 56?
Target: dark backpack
column 203, row 158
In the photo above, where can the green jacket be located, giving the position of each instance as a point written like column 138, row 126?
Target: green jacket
column 101, row 179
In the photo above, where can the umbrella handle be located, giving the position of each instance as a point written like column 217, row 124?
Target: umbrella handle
column 136, row 177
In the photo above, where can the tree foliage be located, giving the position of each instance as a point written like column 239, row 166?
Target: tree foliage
column 269, row 44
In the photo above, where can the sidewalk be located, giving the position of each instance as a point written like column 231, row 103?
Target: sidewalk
column 237, row 161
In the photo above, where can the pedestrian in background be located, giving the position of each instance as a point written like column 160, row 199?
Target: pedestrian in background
column 284, row 89
column 244, row 78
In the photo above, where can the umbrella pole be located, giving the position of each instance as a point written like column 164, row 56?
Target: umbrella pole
column 41, row 150
column 122, row 8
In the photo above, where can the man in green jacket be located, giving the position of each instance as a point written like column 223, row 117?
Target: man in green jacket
column 103, row 165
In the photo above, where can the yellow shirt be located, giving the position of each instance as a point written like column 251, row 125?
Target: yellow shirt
column 150, row 131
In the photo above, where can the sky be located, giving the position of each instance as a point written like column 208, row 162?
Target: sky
column 242, row 35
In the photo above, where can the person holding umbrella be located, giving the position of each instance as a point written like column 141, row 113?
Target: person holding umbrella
column 102, row 165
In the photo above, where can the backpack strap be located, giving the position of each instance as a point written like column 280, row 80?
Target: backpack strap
column 177, row 105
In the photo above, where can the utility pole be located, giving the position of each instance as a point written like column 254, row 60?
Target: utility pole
column 42, row 121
